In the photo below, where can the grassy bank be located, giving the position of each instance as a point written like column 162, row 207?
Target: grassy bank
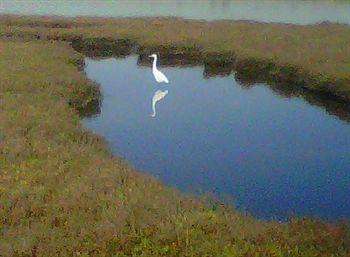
column 62, row 193
column 315, row 57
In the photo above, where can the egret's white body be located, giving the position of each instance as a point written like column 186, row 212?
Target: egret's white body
column 158, row 95
column 158, row 75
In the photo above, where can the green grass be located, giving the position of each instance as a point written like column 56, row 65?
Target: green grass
column 62, row 193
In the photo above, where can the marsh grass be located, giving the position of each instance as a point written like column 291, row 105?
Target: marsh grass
column 316, row 57
column 62, row 193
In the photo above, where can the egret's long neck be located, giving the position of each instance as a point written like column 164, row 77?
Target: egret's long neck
column 153, row 108
column 155, row 63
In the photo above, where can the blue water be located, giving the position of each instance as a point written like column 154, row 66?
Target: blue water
column 274, row 156
column 286, row 11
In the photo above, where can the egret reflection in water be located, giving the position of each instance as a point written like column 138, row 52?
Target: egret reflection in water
column 158, row 95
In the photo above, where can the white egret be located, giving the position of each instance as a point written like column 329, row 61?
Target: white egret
column 158, row 75
column 158, row 95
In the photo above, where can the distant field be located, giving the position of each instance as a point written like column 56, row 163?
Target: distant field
column 62, row 193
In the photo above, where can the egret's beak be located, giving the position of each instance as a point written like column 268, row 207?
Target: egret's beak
column 150, row 56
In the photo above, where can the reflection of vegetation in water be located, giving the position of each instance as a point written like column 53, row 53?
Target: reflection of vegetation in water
column 332, row 105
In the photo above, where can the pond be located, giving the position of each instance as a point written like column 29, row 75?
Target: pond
column 286, row 11
column 272, row 154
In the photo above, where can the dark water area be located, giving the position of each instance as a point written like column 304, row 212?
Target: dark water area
column 285, row 11
column 273, row 154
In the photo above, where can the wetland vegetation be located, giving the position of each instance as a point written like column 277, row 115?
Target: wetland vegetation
column 63, row 193
column 314, row 57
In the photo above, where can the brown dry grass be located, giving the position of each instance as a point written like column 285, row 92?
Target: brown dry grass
column 63, row 194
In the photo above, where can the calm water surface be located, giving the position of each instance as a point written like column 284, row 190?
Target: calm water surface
column 274, row 156
column 288, row 11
